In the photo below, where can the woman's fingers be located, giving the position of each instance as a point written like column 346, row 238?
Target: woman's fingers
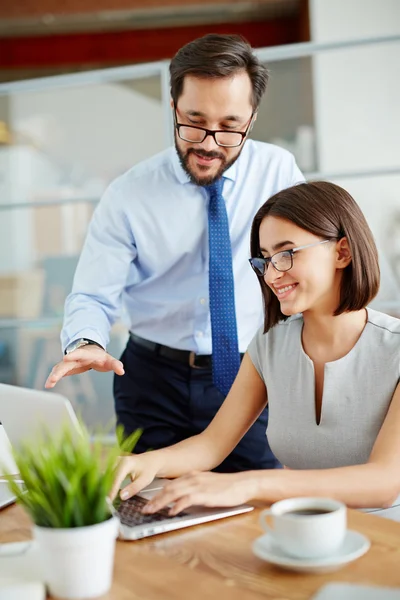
column 138, row 483
column 172, row 492
column 125, row 467
column 205, row 489
column 182, row 504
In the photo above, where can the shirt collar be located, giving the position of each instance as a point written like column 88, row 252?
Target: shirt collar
column 231, row 173
column 180, row 173
column 183, row 177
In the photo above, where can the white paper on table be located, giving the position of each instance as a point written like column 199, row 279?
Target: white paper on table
column 352, row 591
column 20, row 572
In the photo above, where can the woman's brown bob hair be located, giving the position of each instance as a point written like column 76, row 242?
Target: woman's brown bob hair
column 328, row 211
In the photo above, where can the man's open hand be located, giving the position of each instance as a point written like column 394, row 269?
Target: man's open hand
column 84, row 359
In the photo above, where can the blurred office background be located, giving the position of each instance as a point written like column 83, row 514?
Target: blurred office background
column 84, row 95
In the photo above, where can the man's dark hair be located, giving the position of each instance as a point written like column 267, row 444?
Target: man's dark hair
column 214, row 56
column 328, row 211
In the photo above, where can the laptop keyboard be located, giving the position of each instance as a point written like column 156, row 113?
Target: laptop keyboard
column 130, row 514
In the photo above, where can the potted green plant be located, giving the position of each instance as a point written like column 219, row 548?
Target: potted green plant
column 67, row 478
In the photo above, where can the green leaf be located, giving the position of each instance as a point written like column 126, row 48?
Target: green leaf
column 128, row 443
column 67, row 477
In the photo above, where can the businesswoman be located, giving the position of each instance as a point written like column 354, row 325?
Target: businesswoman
column 327, row 365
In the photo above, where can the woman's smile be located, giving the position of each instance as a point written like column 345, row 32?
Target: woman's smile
column 283, row 291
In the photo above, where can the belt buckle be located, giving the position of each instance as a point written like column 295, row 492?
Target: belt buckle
column 192, row 361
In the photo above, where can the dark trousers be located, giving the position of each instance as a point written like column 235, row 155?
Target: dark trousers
column 172, row 401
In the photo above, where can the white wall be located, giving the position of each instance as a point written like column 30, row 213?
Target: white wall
column 353, row 19
column 357, row 114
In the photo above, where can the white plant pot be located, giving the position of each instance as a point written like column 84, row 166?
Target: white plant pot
column 77, row 563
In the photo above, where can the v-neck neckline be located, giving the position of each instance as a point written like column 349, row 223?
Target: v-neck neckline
column 327, row 366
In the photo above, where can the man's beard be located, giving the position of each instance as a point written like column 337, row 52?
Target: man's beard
column 207, row 179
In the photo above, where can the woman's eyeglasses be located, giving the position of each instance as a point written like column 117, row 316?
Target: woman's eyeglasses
column 281, row 261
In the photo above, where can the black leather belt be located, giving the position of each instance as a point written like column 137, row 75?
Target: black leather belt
column 196, row 361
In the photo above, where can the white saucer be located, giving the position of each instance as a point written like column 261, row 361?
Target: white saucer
column 355, row 545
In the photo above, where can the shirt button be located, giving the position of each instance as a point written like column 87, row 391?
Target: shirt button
column 199, row 333
column 202, row 300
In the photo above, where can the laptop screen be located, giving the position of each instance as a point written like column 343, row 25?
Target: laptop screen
column 7, row 464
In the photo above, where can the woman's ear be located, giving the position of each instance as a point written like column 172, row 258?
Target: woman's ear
column 343, row 254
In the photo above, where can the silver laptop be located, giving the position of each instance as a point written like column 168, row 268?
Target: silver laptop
column 6, row 497
column 23, row 412
column 7, row 465
column 134, row 525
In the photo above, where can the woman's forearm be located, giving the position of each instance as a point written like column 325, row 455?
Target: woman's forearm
column 197, row 453
column 207, row 450
column 360, row 486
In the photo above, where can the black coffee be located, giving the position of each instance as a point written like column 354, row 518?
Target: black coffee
column 308, row 512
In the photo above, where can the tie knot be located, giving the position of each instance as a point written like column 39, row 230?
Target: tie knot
column 214, row 190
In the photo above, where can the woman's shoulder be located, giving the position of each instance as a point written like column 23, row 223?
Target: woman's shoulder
column 277, row 342
column 383, row 335
column 383, row 324
column 283, row 330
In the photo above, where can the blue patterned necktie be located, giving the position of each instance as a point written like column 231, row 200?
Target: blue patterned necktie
column 225, row 351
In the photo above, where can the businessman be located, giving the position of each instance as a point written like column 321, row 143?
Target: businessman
column 169, row 240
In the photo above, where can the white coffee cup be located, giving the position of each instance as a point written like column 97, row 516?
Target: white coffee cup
column 306, row 527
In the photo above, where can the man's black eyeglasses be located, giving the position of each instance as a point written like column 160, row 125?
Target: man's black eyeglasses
column 222, row 137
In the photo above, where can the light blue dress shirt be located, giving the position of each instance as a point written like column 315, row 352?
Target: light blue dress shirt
column 147, row 250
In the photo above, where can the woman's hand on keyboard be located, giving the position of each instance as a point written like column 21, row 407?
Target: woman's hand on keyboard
column 204, row 489
column 141, row 468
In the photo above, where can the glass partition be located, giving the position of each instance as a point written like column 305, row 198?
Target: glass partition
column 286, row 114
column 64, row 143
column 379, row 199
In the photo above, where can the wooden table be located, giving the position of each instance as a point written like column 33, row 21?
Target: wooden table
column 215, row 561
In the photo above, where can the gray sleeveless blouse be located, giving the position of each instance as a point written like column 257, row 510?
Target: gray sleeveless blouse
column 358, row 389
